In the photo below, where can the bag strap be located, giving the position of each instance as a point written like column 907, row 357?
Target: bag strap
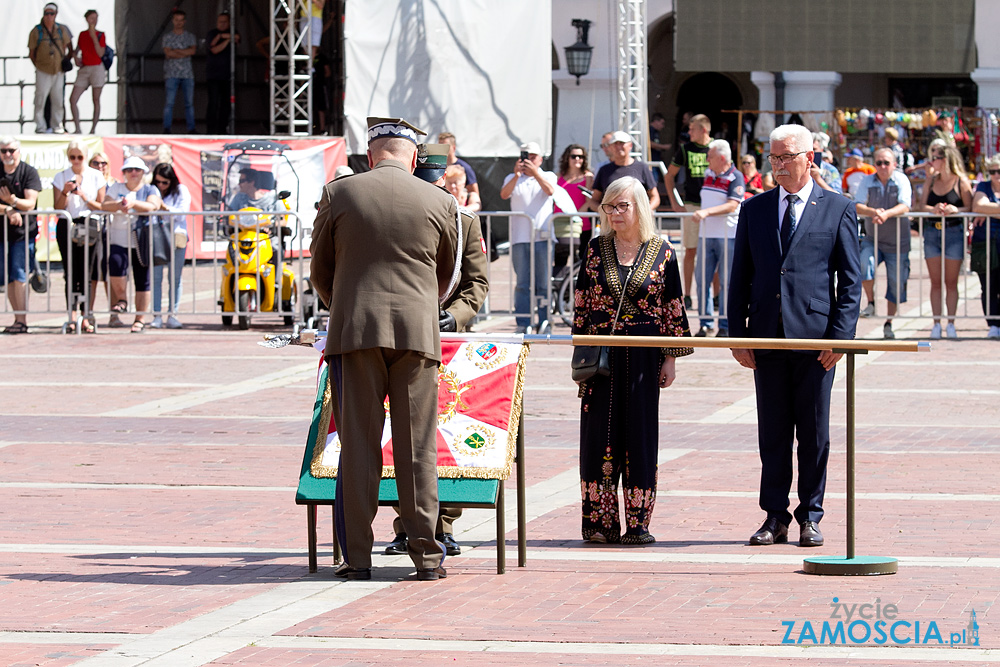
column 95, row 39
column 628, row 278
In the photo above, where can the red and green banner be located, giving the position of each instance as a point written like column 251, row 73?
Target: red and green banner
column 479, row 403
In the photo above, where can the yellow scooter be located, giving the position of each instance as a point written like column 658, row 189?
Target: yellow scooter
column 249, row 276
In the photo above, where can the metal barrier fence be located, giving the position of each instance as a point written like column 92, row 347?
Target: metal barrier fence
column 253, row 277
column 550, row 295
column 7, row 81
column 557, row 297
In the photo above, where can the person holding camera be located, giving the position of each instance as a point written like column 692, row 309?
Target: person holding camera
column 78, row 190
column 49, row 47
column 529, row 190
column 19, row 188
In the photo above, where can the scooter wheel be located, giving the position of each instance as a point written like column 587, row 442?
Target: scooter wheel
column 244, row 320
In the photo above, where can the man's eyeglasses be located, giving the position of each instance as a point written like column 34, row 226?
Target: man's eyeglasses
column 8, row 151
column 994, row 172
column 132, row 170
column 620, row 207
column 882, row 163
column 784, row 159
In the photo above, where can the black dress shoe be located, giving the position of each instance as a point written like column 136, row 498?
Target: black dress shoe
column 809, row 535
column 432, row 574
column 398, row 546
column 772, row 532
column 353, row 573
column 452, row 547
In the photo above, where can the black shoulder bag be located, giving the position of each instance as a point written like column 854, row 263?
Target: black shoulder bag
column 591, row 360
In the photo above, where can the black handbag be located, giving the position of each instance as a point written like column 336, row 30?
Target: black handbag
column 591, row 360
column 67, row 63
column 163, row 243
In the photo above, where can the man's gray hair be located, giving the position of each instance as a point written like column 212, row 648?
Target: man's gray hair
column 722, row 147
column 8, row 140
column 801, row 137
column 885, row 149
column 823, row 138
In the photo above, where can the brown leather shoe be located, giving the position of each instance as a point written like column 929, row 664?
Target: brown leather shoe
column 353, row 573
column 432, row 574
column 809, row 535
column 772, row 532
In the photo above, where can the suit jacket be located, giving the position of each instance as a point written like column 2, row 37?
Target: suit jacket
column 816, row 289
column 383, row 250
column 472, row 285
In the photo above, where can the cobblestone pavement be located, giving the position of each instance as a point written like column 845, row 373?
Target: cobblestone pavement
column 148, row 519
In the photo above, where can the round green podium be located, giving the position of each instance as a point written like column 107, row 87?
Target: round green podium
column 844, row 566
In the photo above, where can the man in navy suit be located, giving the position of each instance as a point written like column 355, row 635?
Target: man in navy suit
column 796, row 274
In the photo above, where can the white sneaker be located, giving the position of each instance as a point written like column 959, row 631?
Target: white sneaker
column 994, row 333
column 157, row 322
column 950, row 331
column 868, row 310
column 173, row 323
column 936, row 331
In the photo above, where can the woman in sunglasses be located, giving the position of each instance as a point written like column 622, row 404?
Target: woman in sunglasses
column 133, row 195
column 78, row 190
column 986, row 245
column 946, row 193
column 629, row 286
column 575, row 176
column 175, row 197
column 755, row 185
column 99, row 161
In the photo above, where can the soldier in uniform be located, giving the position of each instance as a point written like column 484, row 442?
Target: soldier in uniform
column 383, row 254
column 456, row 314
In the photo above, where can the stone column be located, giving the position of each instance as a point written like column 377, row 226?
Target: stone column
column 988, row 81
column 765, row 84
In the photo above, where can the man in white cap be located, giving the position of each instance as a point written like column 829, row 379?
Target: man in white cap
column 623, row 164
column 529, row 190
column 383, row 253
column 48, row 43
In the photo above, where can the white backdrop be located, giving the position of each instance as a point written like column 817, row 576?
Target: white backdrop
column 481, row 69
column 20, row 17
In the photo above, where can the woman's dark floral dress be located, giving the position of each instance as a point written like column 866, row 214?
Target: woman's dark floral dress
column 618, row 420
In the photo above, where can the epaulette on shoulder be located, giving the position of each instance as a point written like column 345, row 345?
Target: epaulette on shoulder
column 467, row 212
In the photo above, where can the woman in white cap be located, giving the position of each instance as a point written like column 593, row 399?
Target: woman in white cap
column 133, row 195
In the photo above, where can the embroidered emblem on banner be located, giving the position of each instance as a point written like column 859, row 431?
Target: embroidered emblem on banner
column 486, row 356
column 474, row 441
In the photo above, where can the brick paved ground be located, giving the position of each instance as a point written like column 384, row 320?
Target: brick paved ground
column 148, row 484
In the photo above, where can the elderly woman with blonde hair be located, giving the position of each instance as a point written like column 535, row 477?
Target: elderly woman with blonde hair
column 629, row 286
